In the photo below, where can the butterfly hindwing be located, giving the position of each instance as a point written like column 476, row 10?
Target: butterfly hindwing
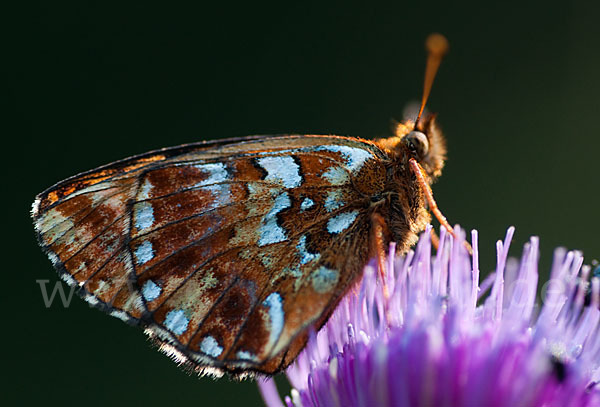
column 226, row 252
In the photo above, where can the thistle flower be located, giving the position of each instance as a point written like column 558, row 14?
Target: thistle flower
column 442, row 338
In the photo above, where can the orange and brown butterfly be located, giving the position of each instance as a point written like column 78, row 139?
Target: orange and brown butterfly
column 229, row 252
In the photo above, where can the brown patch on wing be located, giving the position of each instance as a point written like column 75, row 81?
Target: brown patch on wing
column 175, row 178
column 226, row 315
column 111, row 278
column 371, row 179
column 98, row 251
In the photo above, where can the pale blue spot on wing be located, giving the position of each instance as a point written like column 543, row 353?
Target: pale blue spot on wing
column 306, row 204
column 282, row 201
column 217, row 171
column 144, row 215
column 341, row 222
column 145, row 190
column 336, row 176
column 144, row 252
column 176, row 321
column 221, row 193
column 245, row 355
column 282, row 151
column 150, row 290
column 305, row 256
column 211, row 347
column 270, row 232
column 281, row 169
column 276, row 315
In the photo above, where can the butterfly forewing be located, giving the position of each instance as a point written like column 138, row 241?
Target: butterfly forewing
column 226, row 252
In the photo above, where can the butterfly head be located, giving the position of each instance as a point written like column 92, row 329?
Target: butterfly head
column 424, row 142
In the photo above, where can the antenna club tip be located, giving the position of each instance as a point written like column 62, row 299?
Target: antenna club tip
column 437, row 44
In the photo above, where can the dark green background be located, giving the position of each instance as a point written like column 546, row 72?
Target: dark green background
column 88, row 84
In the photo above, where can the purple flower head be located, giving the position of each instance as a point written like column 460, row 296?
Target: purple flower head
column 442, row 338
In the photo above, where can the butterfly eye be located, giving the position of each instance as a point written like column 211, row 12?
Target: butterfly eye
column 417, row 142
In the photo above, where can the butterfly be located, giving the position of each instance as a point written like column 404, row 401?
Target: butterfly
column 227, row 253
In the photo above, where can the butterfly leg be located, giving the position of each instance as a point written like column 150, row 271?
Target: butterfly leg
column 378, row 230
column 435, row 239
column 419, row 173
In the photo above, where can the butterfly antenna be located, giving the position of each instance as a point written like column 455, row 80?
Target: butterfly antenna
column 437, row 46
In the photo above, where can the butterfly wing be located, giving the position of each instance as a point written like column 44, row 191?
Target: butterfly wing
column 225, row 252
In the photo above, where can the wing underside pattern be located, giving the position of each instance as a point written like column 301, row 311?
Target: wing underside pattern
column 226, row 255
